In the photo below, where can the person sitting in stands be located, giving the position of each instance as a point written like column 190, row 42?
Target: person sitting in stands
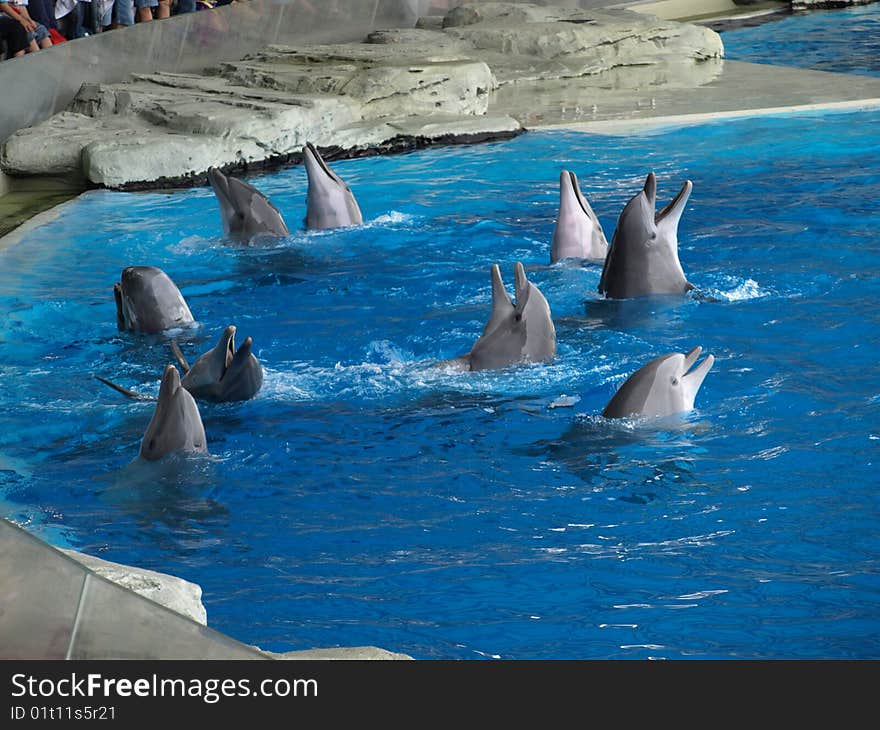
column 37, row 38
column 14, row 30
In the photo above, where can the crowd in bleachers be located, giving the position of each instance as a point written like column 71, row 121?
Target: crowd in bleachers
column 27, row 26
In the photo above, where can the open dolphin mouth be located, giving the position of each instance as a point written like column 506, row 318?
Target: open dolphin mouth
column 320, row 160
column 577, row 194
column 696, row 375
column 677, row 202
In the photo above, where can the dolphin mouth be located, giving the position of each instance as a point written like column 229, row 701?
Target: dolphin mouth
column 696, row 375
column 320, row 160
column 230, row 344
column 578, row 196
column 678, row 201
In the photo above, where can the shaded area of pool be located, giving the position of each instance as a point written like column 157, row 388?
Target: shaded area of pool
column 364, row 497
column 842, row 41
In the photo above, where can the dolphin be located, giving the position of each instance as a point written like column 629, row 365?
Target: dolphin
column 329, row 201
column 578, row 233
column 245, row 211
column 521, row 332
column 663, row 387
column 176, row 425
column 148, row 301
column 643, row 257
column 223, row 373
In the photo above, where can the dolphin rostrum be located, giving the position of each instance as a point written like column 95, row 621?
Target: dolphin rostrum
column 245, row 211
column 176, row 426
column 578, row 233
column 663, row 387
column 148, row 301
column 223, row 373
column 329, row 201
column 643, row 257
column 521, row 332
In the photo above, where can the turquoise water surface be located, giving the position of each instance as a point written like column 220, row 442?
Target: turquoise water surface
column 367, row 497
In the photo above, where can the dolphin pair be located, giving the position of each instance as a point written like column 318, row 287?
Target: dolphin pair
column 247, row 213
column 148, row 301
column 520, row 332
column 665, row 386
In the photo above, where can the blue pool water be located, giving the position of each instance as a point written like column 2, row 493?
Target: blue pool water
column 845, row 41
column 365, row 497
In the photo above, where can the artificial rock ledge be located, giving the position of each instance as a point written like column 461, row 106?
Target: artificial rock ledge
column 398, row 89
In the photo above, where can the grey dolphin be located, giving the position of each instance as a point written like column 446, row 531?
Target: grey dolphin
column 643, row 257
column 245, row 211
column 521, row 332
column 329, row 201
column 148, row 301
column 577, row 233
column 176, row 426
column 224, row 373
column 663, row 387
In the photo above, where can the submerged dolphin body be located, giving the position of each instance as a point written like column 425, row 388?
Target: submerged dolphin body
column 643, row 257
column 224, row 373
column 148, row 301
column 663, row 387
column 329, row 201
column 245, row 211
column 578, row 233
column 176, row 426
column 521, row 332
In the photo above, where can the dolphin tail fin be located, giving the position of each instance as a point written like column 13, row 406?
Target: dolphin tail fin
column 178, row 355
column 125, row 391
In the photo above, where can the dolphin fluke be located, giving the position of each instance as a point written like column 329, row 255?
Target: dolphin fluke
column 329, row 200
column 665, row 386
column 245, row 211
column 643, row 257
column 577, row 233
column 176, row 425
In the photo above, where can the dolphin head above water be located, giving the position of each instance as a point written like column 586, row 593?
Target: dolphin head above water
column 329, row 201
column 176, row 426
column 224, row 373
column 663, row 387
column 643, row 257
column 148, row 301
column 521, row 332
column 245, row 211
column 578, row 233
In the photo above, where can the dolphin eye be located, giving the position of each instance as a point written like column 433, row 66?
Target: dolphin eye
column 674, row 380
column 151, row 445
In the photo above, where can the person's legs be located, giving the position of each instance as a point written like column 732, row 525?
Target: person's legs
column 41, row 36
column 144, row 10
column 163, row 10
column 185, row 6
column 15, row 36
column 124, row 13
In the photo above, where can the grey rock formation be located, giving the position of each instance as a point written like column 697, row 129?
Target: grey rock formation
column 170, row 591
column 434, row 83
